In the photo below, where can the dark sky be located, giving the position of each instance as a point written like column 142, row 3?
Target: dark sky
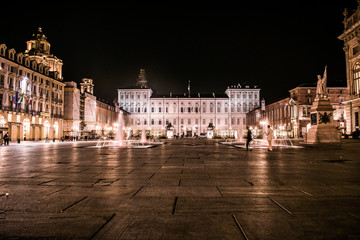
column 274, row 46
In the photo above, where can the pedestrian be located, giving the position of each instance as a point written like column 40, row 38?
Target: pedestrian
column 248, row 138
column 270, row 135
column 6, row 139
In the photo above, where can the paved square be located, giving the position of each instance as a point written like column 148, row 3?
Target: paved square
column 184, row 189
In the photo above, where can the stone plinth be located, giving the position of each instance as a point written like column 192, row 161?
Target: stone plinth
column 322, row 125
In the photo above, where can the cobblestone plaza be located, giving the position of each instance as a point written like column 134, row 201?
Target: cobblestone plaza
column 184, row 189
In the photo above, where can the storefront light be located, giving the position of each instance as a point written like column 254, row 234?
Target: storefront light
column 2, row 121
column 263, row 122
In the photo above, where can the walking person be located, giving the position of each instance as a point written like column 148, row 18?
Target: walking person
column 6, row 139
column 248, row 138
column 270, row 135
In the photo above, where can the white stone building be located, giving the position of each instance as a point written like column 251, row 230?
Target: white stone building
column 187, row 115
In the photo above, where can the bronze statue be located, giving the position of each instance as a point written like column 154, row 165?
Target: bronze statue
column 321, row 85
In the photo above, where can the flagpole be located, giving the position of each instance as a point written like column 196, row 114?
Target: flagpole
column 189, row 88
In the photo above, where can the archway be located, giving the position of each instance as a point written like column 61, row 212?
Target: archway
column 56, row 130
column 26, row 129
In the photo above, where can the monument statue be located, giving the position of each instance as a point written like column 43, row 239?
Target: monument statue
column 321, row 85
column 322, row 128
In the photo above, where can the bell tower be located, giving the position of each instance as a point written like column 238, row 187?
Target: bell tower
column 142, row 80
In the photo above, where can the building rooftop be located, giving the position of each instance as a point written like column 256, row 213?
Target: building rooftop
column 192, row 95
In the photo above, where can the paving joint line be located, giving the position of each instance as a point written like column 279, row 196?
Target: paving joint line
column 46, row 182
column 102, row 226
column 174, row 207
column 137, row 191
column 217, row 187
column 73, row 204
column 251, row 183
column 57, row 191
column 282, row 207
column 354, row 215
column 239, row 226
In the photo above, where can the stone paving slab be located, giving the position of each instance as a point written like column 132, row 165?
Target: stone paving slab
column 170, row 227
column 185, row 189
column 49, row 226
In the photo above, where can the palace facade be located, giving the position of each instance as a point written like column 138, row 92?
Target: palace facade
column 186, row 114
column 31, row 91
column 351, row 38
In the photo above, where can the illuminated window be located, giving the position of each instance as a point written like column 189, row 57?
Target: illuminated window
column 357, row 78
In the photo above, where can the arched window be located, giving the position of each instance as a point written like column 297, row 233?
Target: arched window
column 356, row 73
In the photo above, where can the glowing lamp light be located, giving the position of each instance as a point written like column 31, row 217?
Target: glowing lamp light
column 23, row 85
column 263, row 122
column 2, row 121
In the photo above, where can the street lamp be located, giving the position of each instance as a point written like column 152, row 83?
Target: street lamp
column 263, row 123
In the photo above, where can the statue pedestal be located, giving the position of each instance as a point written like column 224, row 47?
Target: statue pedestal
column 322, row 127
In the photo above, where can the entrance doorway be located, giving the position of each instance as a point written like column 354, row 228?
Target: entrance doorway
column 26, row 129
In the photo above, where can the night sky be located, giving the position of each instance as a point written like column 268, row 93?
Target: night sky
column 274, row 46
